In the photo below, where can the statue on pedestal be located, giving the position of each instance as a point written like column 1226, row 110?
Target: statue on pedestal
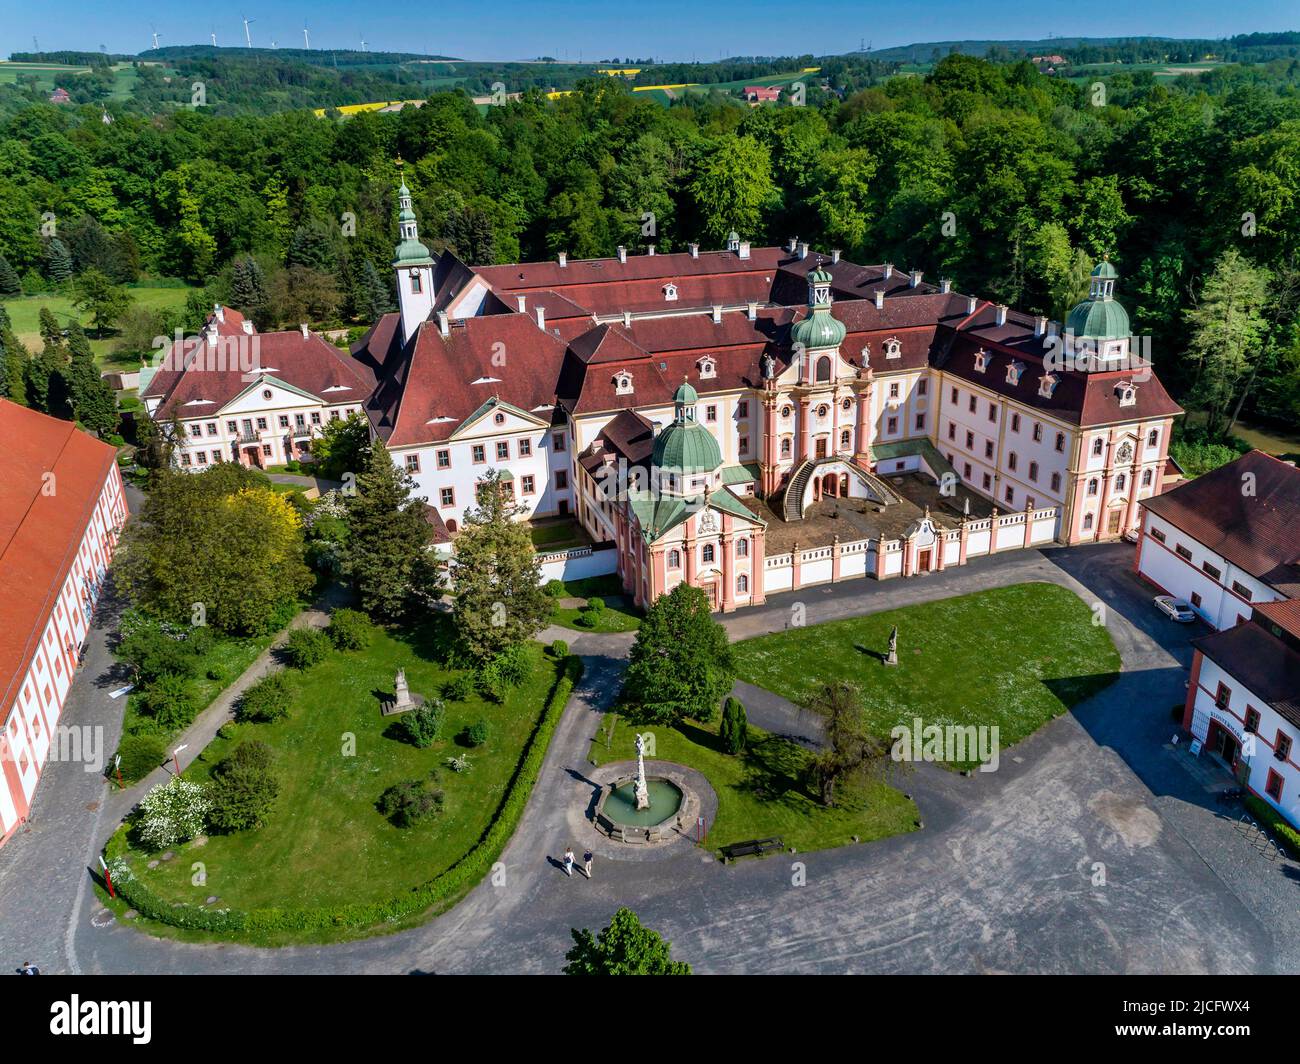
column 642, row 792
column 403, row 699
column 892, row 657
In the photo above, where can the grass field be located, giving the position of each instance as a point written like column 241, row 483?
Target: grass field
column 1014, row 657
column 325, row 843
column 25, row 312
column 619, row 615
column 760, row 793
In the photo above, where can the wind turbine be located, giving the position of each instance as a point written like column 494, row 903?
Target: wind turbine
column 155, row 40
column 248, row 37
column 213, row 35
column 306, row 38
column 363, row 44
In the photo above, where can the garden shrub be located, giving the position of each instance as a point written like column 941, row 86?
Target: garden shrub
column 141, row 753
column 477, row 733
column 266, row 700
column 421, row 727
column 306, row 647
column 460, row 688
column 559, row 649
column 411, row 801
column 734, row 729
column 350, row 629
column 172, row 813
column 243, row 788
column 555, row 588
column 595, row 604
column 1274, row 823
column 171, row 701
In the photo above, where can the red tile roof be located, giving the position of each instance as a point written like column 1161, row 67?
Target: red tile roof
column 40, row 532
column 1254, row 529
column 1263, row 663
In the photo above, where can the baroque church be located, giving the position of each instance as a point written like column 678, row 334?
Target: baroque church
column 747, row 420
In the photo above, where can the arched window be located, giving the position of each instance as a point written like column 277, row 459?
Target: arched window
column 707, row 554
column 844, row 440
column 1092, row 486
column 742, row 548
column 1087, row 522
column 674, row 559
column 785, row 447
column 742, row 584
column 1097, row 445
column 1056, row 481
column 1146, row 478
column 824, row 368
column 1120, row 482
column 1033, row 470
column 1153, row 437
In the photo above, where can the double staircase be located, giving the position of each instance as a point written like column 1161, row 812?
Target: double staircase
column 790, row 508
column 876, row 487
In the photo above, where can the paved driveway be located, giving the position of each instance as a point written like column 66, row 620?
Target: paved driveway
column 1091, row 849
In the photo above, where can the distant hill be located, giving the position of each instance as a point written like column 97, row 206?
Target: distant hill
column 1249, row 46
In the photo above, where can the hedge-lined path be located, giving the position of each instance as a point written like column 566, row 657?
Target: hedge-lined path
column 1000, row 879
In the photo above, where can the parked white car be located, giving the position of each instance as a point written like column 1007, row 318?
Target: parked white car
column 1175, row 609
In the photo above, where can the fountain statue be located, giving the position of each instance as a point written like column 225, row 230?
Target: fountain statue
column 642, row 792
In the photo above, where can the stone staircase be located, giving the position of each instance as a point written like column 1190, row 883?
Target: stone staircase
column 794, row 488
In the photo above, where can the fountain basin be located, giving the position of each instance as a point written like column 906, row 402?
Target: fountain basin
column 665, row 801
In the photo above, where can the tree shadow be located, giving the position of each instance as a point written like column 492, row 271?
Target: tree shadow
column 773, row 768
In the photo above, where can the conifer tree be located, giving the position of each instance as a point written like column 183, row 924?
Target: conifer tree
column 58, row 261
column 500, row 601
column 93, row 402
column 10, row 285
column 387, row 556
column 248, row 286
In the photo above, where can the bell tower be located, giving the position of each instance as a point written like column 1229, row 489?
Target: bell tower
column 414, row 267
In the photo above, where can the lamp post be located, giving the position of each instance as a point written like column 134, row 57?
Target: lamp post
column 117, row 767
column 176, row 760
column 108, row 877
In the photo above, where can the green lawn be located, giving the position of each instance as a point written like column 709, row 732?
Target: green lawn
column 759, row 791
column 325, row 844
column 25, row 311
column 1014, row 656
column 619, row 614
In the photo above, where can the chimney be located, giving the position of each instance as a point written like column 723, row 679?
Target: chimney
column 970, row 304
column 880, row 299
column 564, row 258
column 522, row 303
column 1040, row 325
column 695, row 250
column 627, row 319
column 1001, row 313
column 622, row 253
column 752, row 312
column 915, row 276
column 649, row 249
column 219, row 312
column 717, row 313
column 248, row 326
column 444, row 326
column 541, row 317
column 835, row 256
column 803, row 249
column 305, row 332
column 742, row 251
column 945, row 285
column 889, row 270
column 791, row 245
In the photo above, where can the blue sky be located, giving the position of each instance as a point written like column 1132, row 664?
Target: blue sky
column 668, row 29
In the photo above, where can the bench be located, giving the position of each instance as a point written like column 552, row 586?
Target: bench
column 759, row 847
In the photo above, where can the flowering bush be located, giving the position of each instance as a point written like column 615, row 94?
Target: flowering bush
column 172, row 813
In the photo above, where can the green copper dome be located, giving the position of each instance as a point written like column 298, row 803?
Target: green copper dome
column 1099, row 317
column 819, row 329
column 820, row 276
column 686, row 446
column 412, row 253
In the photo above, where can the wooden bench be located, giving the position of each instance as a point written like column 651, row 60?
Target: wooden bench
column 759, row 847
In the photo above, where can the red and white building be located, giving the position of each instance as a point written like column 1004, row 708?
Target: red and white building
column 254, row 398
column 1226, row 541
column 62, row 508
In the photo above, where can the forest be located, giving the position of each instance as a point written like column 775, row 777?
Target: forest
column 1008, row 181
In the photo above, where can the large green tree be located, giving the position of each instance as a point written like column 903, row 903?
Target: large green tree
column 625, row 947
column 387, row 555
column 94, row 292
column 851, row 752
column 732, row 189
column 681, row 663
column 93, row 401
column 499, row 598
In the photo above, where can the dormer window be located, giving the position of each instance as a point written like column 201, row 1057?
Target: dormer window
column 670, row 292
column 707, row 367
column 1047, row 385
column 893, row 348
column 1127, row 393
column 1014, row 370
column 623, row 383
column 981, row 361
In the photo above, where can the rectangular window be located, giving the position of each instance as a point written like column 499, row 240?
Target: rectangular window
column 952, row 430
column 447, row 496
column 557, row 441
column 1182, row 552
column 1157, row 535
column 185, row 459
column 525, row 448
column 216, row 455
column 988, row 449
column 334, row 415
column 1212, row 571
column 203, row 457
column 893, row 390
column 503, row 450
column 972, row 404
column 266, row 450
column 993, row 412
column 529, row 484
column 1241, row 589
column 444, row 459
column 1196, row 599
column 196, row 431
column 742, row 408
column 284, row 422
column 920, row 422
column 315, row 417
column 954, row 397
column 300, row 421
column 965, row 471
column 412, row 463
column 891, row 425
column 988, row 482
column 922, row 387
column 970, row 439
column 711, row 412
column 1060, row 441
column 1273, row 788
column 1282, row 747
column 561, row 480
column 1012, row 461
column 478, row 453
column 1015, row 422
column 742, row 445
column 232, row 426
column 212, row 428
column 1011, row 493
column 1223, row 696
column 1252, row 719
column 261, row 423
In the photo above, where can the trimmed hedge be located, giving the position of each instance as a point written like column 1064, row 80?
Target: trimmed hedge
column 460, row 876
column 1275, row 824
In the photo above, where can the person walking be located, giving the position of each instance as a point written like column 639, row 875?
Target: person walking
column 568, row 861
column 586, row 861
column 29, row 968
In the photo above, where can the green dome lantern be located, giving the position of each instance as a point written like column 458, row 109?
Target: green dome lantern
column 1099, row 317
column 820, row 328
column 686, row 446
column 410, row 252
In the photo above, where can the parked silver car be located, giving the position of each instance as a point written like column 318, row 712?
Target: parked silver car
column 1175, row 609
